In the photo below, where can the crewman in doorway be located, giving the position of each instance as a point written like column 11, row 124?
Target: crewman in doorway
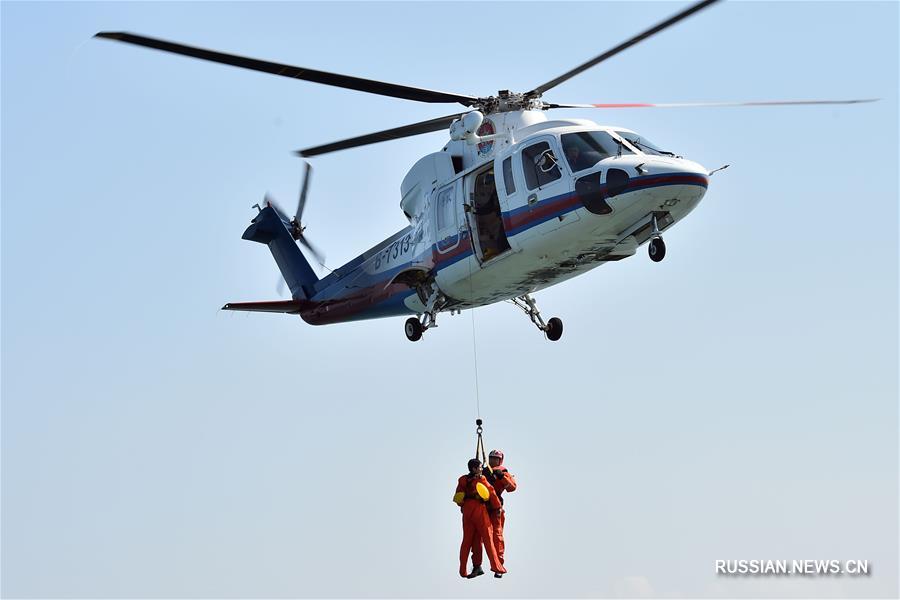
column 502, row 481
column 488, row 217
column 474, row 494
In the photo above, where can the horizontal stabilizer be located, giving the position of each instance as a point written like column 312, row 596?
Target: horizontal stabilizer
column 275, row 306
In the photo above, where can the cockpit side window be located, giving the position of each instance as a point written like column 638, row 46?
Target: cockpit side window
column 540, row 165
column 508, row 181
column 585, row 149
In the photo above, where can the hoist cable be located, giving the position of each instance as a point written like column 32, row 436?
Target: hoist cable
column 474, row 346
column 475, row 360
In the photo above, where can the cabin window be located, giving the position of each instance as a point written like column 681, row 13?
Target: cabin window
column 540, row 165
column 585, row 149
column 642, row 144
column 446, row 215
column 508, row 180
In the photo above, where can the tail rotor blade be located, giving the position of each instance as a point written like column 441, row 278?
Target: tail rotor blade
column 301, row 203
column 269, row 201
column 317, row 254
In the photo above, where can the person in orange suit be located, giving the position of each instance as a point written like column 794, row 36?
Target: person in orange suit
column 502, row 481
column 474, row 494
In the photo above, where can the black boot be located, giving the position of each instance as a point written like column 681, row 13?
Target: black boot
column 476, row 571
column 498, row 575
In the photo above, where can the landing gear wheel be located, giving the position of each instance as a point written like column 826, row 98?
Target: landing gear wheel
column 413, row 329
column 657, row 249
column 554, row 329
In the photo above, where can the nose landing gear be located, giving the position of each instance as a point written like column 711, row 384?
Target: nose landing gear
column 553, row 328
column 657, row 248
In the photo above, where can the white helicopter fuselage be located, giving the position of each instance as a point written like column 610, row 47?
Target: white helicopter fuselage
column 551, row 234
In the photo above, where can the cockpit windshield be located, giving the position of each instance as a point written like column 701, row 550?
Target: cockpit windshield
column 585, row 149
column 643, row 144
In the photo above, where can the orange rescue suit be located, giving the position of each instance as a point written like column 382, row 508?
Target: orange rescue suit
column 476, row 523
column 502, row 481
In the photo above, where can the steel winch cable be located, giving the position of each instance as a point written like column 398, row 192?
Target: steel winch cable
column 475, row 365
column 480, row 454
column 474, row 344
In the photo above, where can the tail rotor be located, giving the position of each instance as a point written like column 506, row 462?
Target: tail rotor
column 294, row 224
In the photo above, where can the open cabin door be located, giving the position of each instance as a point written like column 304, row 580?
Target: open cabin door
column 484, row 215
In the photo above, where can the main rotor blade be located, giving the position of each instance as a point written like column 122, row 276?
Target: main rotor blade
column 301, row 203
column 623, row 46
column 383, row 136
column 344, row 81
column 711, row 104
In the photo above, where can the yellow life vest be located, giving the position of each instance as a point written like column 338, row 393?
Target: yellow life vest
column 482, row 490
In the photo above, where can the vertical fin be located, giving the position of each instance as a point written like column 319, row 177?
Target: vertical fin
column 268, row 228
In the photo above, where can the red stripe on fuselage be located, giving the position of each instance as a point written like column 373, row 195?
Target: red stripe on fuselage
column 514, row 222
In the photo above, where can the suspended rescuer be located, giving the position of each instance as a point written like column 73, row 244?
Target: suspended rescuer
column 502, row 481
column 474, row 494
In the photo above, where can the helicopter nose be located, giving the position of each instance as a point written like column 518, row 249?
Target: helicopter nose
column 696, row 169
column 677, row 172
column 700, row 175
column 692, row 181
column 671, row 184
column 687, row 172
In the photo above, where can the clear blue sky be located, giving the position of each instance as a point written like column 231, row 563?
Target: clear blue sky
column 738, row 400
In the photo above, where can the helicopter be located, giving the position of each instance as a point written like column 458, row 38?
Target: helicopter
column 513, row 203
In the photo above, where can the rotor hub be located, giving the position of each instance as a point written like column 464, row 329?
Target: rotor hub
column 506, row 101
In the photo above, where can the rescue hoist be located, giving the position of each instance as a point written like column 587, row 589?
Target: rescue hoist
column 480, row 455
column 479, row 444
